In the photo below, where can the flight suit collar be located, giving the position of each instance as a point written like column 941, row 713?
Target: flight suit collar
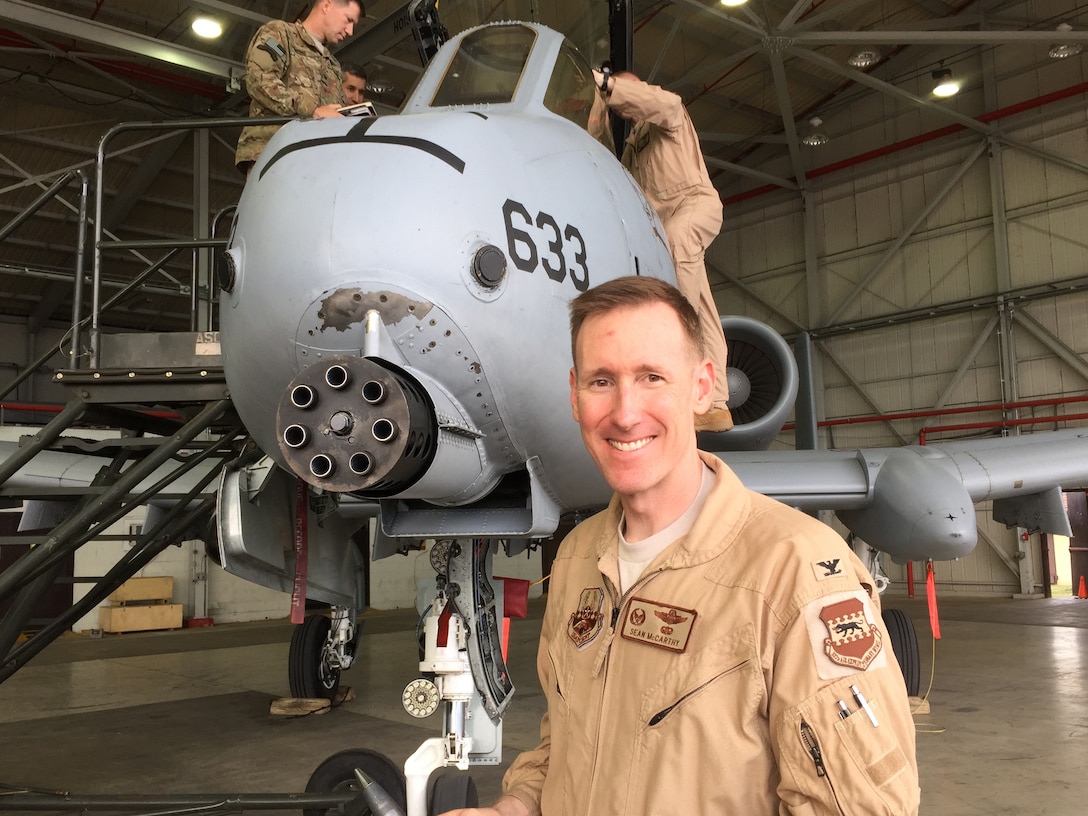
column 715, row 530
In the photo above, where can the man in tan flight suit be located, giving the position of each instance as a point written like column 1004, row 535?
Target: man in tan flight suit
column 706, row 650
column 291, row 72
column 664, row 156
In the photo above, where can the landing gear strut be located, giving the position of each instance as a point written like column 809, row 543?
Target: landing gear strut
column 464, row 674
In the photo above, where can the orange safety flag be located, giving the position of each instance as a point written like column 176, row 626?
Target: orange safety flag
column 931, row 596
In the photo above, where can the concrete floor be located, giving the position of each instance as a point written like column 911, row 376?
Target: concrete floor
column 187, row 711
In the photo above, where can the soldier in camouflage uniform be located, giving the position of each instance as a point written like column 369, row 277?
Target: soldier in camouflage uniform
column 291, row 72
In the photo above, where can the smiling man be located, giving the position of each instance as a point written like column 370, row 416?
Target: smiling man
column 705, row 650
column 639, row 375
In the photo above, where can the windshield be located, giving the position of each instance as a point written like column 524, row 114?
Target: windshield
column 573, row 94
column 584, row 23
column 487, row 67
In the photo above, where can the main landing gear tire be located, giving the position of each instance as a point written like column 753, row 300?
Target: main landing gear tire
column 337, row 773
column 310, row 672
column 904, row 643
column 452, row 790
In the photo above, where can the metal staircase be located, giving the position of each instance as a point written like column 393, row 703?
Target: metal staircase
column 163, row 398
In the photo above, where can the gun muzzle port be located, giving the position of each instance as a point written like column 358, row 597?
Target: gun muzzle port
column 337, row 376
column 360, row 463
column 295, row 436
column 322, row 466
column 384, row 430
column 302, row 396
column 373, row 391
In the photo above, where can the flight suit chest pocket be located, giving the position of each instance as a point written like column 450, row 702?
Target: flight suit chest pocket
column 722, row 679
column 706, row 711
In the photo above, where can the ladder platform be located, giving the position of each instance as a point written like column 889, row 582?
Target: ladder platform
column 152, row 367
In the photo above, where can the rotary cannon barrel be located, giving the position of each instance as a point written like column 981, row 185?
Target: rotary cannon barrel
column 351, row 424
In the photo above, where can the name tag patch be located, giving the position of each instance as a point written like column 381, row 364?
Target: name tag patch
column 658, row 624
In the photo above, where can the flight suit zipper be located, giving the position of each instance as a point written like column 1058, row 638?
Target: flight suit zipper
column 600, row 666
column 812, row 746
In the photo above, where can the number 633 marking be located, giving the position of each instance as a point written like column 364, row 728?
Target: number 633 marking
column 522, row 233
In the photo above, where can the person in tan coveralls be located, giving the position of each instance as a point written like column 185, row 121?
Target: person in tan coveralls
column 706, row 650
column 291, row 72
column 663, row 154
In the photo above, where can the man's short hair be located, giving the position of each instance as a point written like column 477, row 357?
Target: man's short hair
column 353, row 68
column 305, row 13
column 627, row 293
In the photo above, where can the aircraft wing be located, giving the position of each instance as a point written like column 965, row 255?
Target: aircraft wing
column 907, row 500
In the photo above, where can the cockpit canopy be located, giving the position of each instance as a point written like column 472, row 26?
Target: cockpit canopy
column 491, row 64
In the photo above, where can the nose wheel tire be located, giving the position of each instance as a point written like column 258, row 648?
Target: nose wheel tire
column 312, row 673
column 904, row 646
column 337, row 773
column 452, row 790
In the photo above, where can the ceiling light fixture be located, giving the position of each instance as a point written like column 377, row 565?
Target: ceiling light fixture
column 945, row 84
column 815, row 137
column 865, row 58
column 207, row 28
column 733, row 3
column 1061, row 50
column 378, row 81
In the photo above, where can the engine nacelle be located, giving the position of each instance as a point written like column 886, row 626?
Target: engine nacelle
column 762, row 385
column 919, row 508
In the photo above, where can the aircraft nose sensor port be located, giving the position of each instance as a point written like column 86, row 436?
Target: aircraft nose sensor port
column 352, row 424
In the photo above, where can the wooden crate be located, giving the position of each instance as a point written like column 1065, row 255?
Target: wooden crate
column 139, row 617
column 151, row 588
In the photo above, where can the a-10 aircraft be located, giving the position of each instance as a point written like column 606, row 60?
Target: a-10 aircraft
column 395, row 335
column 395, row 338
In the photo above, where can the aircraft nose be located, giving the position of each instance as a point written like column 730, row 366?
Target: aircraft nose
column 351, row 424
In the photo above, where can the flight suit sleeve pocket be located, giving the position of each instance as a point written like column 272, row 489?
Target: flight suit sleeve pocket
column 848, row 764
column 880, row 757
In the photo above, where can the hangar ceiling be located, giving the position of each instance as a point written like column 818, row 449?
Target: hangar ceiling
column 761, row 81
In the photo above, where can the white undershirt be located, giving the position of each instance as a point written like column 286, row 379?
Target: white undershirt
column 634, row 558
column 320, row 45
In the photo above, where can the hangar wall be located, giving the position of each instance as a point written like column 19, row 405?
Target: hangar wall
column 940, row 275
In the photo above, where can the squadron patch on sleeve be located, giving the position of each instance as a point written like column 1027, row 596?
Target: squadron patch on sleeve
column 587, row 620
column 844, row 638
column 658, row 624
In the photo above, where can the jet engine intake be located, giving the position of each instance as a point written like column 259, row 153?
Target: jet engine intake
column 763, row 384
column 351, row 424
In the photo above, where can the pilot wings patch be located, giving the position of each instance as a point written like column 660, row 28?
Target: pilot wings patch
column 668, row 627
